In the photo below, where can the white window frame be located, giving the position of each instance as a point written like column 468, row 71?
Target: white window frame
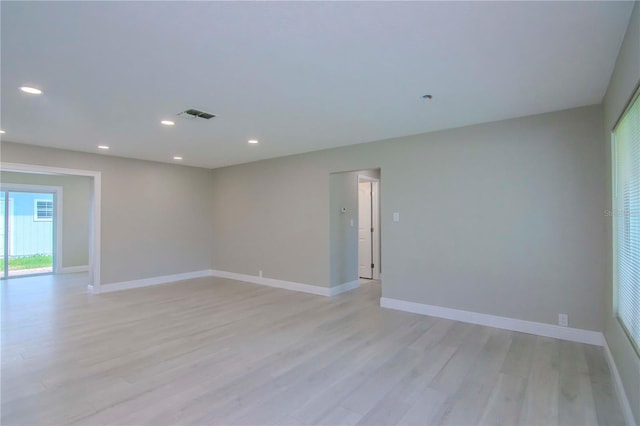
column 615, row 223
column 36, row 216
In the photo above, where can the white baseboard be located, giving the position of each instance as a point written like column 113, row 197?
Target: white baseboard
column 73, row 269
column 344, row 287
column 287, row 285
column 126, row 285
column 538, row 328
column 618, row 386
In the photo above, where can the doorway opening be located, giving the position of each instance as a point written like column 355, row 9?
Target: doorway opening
column 91, row 215
column 29, row 230
column 355, row 231
column 368, row 227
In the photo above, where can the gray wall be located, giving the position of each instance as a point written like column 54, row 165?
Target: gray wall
column 76, row 209
column 155, row 217
column 343, row 239
column 511, row 210
column 343, row 188
column 506, row 211
column 270, row 216
column 625, row 79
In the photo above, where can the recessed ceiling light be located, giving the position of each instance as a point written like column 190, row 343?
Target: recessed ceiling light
column 2, row 132
column 103, row 147
column 177, row 157
column 31, row 90
column 253, row 141
column 167, row 122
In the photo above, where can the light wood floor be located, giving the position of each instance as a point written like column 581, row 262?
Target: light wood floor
column 215, row 351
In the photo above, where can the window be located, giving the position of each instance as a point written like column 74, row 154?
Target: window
column 43, row 210
column 626, row 215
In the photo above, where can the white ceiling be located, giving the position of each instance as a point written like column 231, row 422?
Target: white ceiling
column 297, row 76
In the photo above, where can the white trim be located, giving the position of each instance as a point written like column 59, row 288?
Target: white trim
column 59, row 206
column 95, row 258
column 44, row 170
column 377, row 241
column 287, row 285
column 94, row 247
column 342, row 288
column 145, row 282
column 73, row 269
column 531, row 327
column 367, row 178
column 618, row 386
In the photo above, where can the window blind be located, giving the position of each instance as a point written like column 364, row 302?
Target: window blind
column 626, row 203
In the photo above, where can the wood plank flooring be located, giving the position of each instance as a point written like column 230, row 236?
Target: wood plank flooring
column 215, row 351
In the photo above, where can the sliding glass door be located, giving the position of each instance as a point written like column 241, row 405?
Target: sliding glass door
column 3, row 233
column 27, row 229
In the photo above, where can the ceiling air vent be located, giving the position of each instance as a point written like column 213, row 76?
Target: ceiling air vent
column 194, row 113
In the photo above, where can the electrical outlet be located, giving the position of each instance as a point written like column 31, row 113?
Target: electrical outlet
column 260, row 273
column 563, row 320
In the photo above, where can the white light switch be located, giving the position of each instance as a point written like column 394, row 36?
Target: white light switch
column 396, row 217
column 352, row 223
column 563, row 320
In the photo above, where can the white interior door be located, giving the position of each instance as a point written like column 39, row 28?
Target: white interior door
column 365, row 233
column 375, row 215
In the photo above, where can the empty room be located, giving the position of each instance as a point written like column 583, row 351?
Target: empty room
column 320, row 213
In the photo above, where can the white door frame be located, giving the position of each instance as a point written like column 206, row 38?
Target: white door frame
column 375, row 222
column 94, row 243
column 57, row 220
